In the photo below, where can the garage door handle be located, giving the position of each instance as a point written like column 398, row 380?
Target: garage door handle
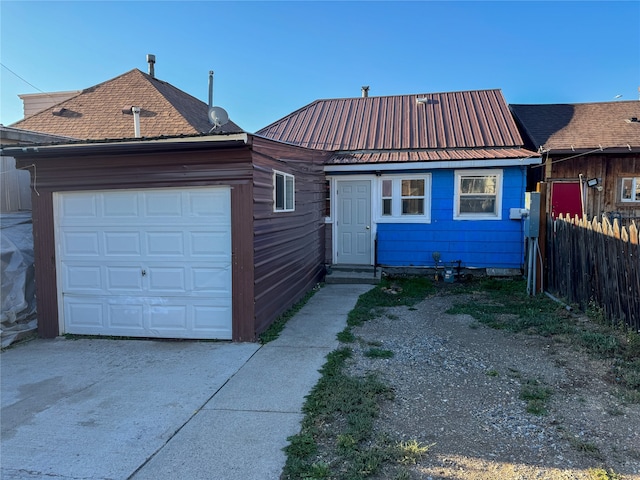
column 144, row 272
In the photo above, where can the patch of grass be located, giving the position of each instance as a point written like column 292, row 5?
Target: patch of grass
column 378, row 353
column 339, row 399
column 585, row 447
column 492, row 373
column 504, row 304
column 273, row 331
column 536, row 396
column 410, row 452
column 346, row 336
column 602, row 474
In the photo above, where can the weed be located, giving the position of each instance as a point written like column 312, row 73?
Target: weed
column 410, row 452
column 492, row 373
column 345, row 336
column 585, row 447
column 536, row 396
column 378, row 353
column 602, row 474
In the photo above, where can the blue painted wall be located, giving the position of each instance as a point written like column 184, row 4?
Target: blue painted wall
column 478, row 243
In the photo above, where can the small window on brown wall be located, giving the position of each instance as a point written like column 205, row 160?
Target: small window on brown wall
column 327, row 198
column 630, row 189
column 283, row 192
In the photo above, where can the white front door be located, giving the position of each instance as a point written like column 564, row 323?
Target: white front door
column 145, row 263
column 354, row 222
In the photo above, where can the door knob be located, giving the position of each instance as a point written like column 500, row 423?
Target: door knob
column 368, row 227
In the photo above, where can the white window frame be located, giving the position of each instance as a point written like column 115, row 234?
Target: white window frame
column 396, row 199
column 285, row 177
column 459, row 175
column 634, row 185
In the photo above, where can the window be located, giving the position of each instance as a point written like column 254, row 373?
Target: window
column 630, row 191
column 283, row 192
column 478, row 195
column 405, row 198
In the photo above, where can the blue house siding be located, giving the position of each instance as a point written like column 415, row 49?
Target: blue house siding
column 478, row 243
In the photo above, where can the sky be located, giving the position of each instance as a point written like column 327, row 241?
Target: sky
column 272, row 58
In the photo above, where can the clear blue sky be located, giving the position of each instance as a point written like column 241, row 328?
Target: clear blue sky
column 271, row 58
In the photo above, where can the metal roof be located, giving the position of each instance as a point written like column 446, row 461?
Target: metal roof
column 430, row 126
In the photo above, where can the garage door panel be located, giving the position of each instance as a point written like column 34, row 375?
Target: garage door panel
column 80, row 206
column 85, row 315
column 80, row 244
column 212, row 281
column 146, row 263
column 122, row 243
column 213, row 244
column 168, row 280
column 126, row 316
column 83, row 279
column 124, row 279
column 165, row 244
column 209, row 319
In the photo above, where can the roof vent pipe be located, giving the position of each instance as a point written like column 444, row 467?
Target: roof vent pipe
column 365, row 91
column 151, row 60
column 210, row 88
column 136, row 121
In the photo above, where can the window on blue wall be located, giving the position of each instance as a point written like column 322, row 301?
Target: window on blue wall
column 283, row 192
column 405, row 198
column 478, row 195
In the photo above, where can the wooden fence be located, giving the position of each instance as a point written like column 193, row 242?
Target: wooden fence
column 596, row 262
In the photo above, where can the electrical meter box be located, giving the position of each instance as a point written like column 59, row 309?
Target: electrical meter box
column 532, row 221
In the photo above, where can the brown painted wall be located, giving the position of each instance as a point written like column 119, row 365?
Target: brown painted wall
column 610, row 169
column 74, row 171
column 289, row 247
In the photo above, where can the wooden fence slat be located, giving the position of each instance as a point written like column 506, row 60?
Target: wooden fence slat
column 596, row 261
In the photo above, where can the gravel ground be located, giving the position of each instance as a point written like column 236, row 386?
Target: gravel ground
column 457, row 386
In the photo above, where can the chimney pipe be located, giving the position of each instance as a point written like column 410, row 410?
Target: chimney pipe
column 136, row 121
column 210, row 88
column 365, row 91
column 151, row 60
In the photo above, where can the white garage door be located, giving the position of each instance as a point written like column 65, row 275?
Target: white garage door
column 145, row 263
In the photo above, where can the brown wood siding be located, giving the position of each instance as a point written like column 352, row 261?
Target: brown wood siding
column 228, row 166
column 289, row 247
column 610, row 169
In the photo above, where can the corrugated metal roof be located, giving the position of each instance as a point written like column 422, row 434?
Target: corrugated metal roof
column 104, row 111
column 430, row 155
column 477, row 119
column 581, row 125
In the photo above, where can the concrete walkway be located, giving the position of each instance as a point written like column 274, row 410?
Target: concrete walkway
column 111, row 409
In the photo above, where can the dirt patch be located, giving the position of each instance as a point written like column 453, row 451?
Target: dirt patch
column 458, row 385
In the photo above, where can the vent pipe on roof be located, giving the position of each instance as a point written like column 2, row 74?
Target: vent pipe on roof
column 151, row 60
column 365, row 91
column 136, row 121
column 210, row 88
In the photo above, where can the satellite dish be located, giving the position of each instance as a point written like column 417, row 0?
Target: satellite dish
column 218, row 116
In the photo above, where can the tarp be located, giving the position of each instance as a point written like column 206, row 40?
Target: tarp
column 17, row 286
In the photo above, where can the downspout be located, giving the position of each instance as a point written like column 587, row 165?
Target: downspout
column 136, row 121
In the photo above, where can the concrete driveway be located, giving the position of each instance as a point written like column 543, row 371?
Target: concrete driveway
column 119, row 409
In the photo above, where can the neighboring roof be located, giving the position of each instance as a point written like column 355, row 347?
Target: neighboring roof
column 15, row 136
column 104, row 111
column 581, row 126
column 433, row 126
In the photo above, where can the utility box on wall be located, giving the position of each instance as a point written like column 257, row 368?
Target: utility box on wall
column 532, row 221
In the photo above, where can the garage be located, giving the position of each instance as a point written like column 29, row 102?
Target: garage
column 152, row 262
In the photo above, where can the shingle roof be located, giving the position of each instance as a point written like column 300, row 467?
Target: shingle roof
column 104, row 111
column 581, row 125
column 432, row 126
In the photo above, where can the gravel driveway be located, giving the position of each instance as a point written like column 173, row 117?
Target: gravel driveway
column 458, row 384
